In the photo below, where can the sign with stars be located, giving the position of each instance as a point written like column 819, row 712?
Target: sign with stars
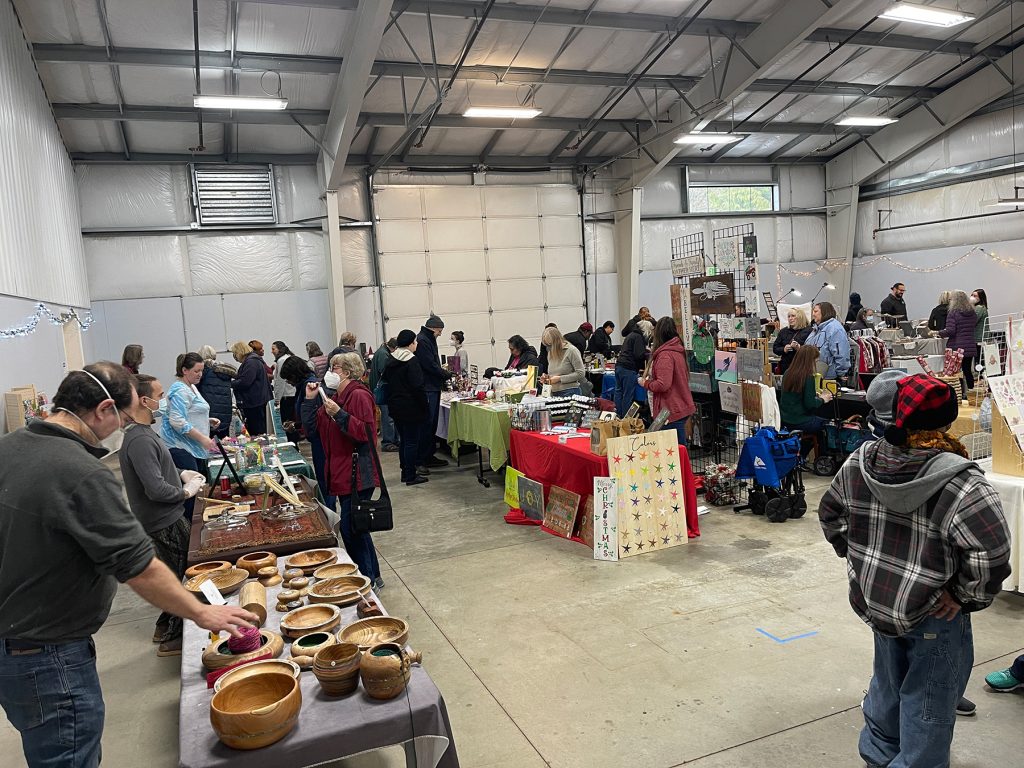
column 606, row 519
column 649, row 497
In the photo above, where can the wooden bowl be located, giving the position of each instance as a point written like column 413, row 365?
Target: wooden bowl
column 257, row 668
column 257, row 711
column 335, row 570
column 341, row 590
column 293, row 573
column 310, row 560
column 303, row 662
column 269, row 576
column 217, row 655
column 311, row 618
column 336, row 668
column 299, row 583
column 308, row 645
column 253, row 561
column 380, row 629
column 227, row 582
column 287, row 595
column 211, row 567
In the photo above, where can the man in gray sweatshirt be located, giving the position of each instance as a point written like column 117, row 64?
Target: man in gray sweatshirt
column 157, row 491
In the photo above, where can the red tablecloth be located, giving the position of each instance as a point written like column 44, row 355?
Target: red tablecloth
column 572, row 466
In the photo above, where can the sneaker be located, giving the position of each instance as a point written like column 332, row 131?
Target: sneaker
column 435, row 461
column 159, row 631
column 389, row 448
column 965, row 707
column 378, row 584
column 422, row 471
column 1003, row 681
column 417, row 480
column 170, row 648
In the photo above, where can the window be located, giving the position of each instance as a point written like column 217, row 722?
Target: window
column 710, row 199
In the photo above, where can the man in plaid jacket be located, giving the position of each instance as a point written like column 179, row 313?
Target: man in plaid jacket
column 926, row 545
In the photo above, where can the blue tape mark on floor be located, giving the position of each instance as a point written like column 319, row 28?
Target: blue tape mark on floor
column 784, row 640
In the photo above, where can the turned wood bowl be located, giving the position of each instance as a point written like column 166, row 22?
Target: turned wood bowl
column 217, row 655
column 253, row 561
column 308, row 645
column 227, row 582
column 269, row 576
column 311, row 618
column 293, row 573
column 341, row 590
column 310, row 560
column 336, row 668
column 210, row 567
column 374, row 631
column 257, row 711
column 299, row 583
column 287, row 595
column 335, row 570
column 257, row 668
column 303, row 662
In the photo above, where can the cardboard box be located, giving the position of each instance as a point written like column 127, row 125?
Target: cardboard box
column 14, row 405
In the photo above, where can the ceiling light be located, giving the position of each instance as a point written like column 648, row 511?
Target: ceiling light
column 709, row 138
column 509, row 113
column 239, row 102
column 866, row 121
column 923, row 14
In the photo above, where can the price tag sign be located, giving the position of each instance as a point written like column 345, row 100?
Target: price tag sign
column 213, row 595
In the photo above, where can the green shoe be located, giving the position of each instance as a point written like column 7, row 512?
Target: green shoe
column 1003, row 681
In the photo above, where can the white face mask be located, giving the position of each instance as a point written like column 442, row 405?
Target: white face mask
column 332, row 380
column 974, row 299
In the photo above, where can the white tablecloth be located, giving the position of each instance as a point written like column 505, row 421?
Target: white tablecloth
column 1011, row 493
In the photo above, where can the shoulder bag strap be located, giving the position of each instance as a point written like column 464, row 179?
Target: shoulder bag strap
column 376, row 462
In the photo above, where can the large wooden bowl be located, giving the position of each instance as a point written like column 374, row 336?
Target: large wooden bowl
column 341, row 590
column 216, row 656
column 335, row 570
column 380, row 629
column 257, row 668
column 311, row 618
column 308, row 645
column 227, row 582
column 211, row 567
column 253, row 561
column 310, row 560
column 257, row 711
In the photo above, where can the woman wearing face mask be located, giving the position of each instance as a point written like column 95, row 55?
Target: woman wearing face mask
column 186, row 425
column 346, row 422
column 252, row 388
column 284, row 393
column 865, row 321
column 791, row 337
column 297, row 372
column 458, row 339
column 832, row 342
column 980, row 301
column 565, row 365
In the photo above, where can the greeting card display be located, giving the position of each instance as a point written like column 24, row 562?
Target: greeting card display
column 993, row 363
column 731, row 396
column 713, row 295
column 725, row 366
column 726, row 255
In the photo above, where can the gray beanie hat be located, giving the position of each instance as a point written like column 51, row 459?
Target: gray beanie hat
column 434, row 322
column 882, row 393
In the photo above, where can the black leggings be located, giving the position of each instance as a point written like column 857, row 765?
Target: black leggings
column 968, row 371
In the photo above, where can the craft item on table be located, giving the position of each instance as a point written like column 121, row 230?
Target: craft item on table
column 585, row 527
column 269, row 576
column 381, row 629
column 600, row 433
column 733, row 328
column 226, row 581
column 700, row 383
column 310, row 560
column 993, row 362
column 311, row 618
column 293, row 573
column 367, row 609
column 751, row 401
column 1008, row 394
column 659, row 421
column 605, row 519
column 335, row 570
column 284, row 493
column 340, row 590
column 248, row 640
column 649, row 497
column 713, row 295
column 287, row 595
column 336, row 668
column 688, row 266
column 254, row 561
column 953, row 362
column 284, row 476
column 731, row 397
column 726, row 255
column 703, row 346
column 218, row 654
column 560, row 511
column 236, row 673
column 752, row 326
column 725, row 366
column 629, row 426
column 303, row 662
column 750, row 364
column 512, row 487
column 293, row 605
column 253, row 598
column 257, row 711
column 311, row 644
column 299, row 583
column 385, row 670
column 213, row 566
column 923, row 362
column 531, row 498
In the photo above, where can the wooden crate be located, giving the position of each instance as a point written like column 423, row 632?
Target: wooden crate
column 14, row 405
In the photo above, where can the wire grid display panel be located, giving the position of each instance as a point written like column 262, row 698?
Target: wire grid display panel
column 491, row 261
column 1002, row 354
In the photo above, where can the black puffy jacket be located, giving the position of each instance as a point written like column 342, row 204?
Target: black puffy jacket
column 215, row 387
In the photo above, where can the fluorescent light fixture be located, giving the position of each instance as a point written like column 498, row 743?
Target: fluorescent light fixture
column 508, row 113
column 239, row 102
column 866, row 121
column 924, row 14
column 797, row 293
column 709, row 138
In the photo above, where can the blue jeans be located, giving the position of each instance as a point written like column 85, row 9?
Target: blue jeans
column 358, row 545
column 409, row 448
column 428, row 437
column 316, row 449
column 625, row 388
column 388, row 433
column 53, row 697
column 815, row 425
column 911, row 703
column 679, row 425
column 568, row 392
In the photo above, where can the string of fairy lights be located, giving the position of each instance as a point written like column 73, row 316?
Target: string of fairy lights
column 43, row 312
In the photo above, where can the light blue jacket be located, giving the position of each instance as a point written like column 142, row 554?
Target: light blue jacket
column 831, row 338
column 186, row 409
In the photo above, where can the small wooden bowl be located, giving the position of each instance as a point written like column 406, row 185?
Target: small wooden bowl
column 269, row 576
column 336, row 668
column 211, row 567
column 335, row 570
column 309, row 645
column 257, row 711
column 217, row 654
column 340, row 590
column 299, row 583
column 287, row 595
column 310, row 560
column 256, row 668
column 227, row 582
column 311, row 618
column 293, row 573
column 253, row 561
column 381, row 629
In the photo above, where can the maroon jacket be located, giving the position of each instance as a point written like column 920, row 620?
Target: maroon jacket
column 959, row 332
column 348, row 432
column 669, row 382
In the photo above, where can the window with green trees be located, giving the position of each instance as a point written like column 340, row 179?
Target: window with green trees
column 710, row 199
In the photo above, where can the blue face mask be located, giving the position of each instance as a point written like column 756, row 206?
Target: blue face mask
column 161, row 410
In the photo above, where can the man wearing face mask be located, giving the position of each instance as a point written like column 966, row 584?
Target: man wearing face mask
column 157, row 491
column 60, row 504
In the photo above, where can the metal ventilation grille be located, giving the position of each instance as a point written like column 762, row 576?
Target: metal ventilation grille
column 232, row 194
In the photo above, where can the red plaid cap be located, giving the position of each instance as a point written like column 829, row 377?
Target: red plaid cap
column 924, row 402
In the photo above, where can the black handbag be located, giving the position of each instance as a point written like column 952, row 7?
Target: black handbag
column 371, row 515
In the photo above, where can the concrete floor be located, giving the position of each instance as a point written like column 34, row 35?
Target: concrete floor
column 548, row 658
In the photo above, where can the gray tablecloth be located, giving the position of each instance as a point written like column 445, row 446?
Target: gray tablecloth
column 915, row 347
column 329, row 728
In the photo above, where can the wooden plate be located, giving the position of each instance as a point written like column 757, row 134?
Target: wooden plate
column 341, row 590
column 380, row 629
column 227, row 582
column 310, row 560
column 336, row 570
column 311, row 618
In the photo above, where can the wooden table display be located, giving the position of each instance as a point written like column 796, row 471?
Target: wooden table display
column 314, row 531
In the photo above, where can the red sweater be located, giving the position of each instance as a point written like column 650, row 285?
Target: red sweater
column 345, row 434
column 669, row 382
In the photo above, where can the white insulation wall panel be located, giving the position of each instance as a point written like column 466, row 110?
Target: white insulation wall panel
column 223, row 263
column 133, row 195
column 41, row 253
column 135, row 267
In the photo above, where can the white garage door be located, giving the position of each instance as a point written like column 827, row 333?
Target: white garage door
column 491, row 261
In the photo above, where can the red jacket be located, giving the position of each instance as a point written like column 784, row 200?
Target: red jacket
column 348, row 432
column 669, row 382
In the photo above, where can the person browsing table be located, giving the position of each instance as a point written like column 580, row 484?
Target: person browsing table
column 669, row 378
column 791, row 337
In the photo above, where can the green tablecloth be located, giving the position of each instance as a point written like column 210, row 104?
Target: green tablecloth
column 478, row 425
column 291, row 458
